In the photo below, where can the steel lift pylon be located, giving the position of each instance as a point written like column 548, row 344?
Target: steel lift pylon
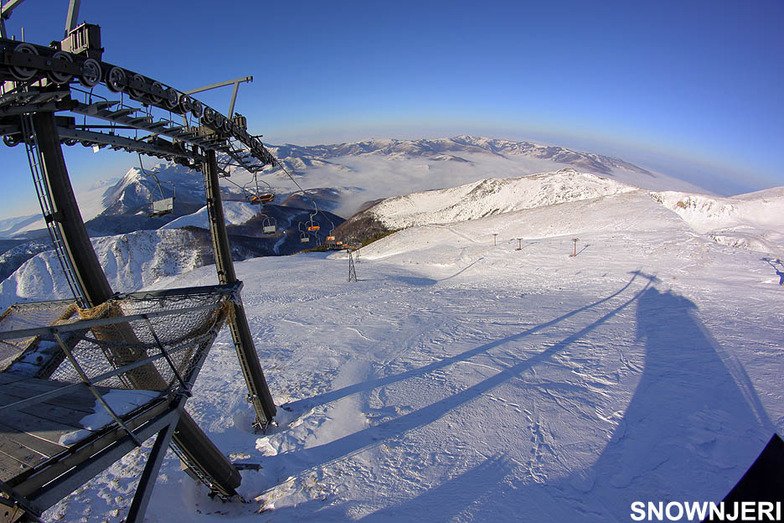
column 40, row 85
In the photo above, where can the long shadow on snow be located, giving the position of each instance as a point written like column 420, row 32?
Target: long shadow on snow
column 441, row 503
column 446, row 501
column 692, row 428
column 694, row 423
column 369, row 385
column 375, row 435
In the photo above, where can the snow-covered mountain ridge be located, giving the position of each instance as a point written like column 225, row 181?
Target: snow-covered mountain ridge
column 353, row 174
column 131, row 262
column 493, row 196
column 752, row 221
column 371, row 170
column 443, row 149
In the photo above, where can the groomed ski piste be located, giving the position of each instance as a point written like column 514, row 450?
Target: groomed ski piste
column 462, row 379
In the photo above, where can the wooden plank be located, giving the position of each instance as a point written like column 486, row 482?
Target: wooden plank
column 27, row 486
column 29, row 441
column 7, row 377
column 37, row 428
column 21, row 456
column 33, row 384
column 16, row 459
column 39, row 385
column 58, row 412
column 80, row 399
column 85, row 404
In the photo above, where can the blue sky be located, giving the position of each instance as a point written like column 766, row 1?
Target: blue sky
column 689, row 87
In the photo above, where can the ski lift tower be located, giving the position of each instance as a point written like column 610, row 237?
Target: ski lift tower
column 352, row 271
column 64, row 92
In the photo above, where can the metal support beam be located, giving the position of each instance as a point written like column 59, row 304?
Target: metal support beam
column 236, row 83
column 258, row 390
column 220, row 84
column 66, row 215
column 5, row 13
column 150, row 473
column 73, row 15
column 234, row 99
column 189, row 437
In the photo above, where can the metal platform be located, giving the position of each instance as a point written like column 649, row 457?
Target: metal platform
column 45, row 450
column 121, row 374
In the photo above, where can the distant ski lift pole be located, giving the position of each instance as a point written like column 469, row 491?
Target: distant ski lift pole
column 519, row 244
column 495, row 239
column 574, row 254
column 352, row 271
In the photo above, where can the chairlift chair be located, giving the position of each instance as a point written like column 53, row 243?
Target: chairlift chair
column 269, row 225
column 160, row 205
column 331, row 242
column 304, row 237
column 259, row 195
column 258, row 199
column 311, row 225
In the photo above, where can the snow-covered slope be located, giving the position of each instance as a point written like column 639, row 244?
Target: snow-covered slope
column 130, row 261
column 754, row 221
column 236, row 213
column 491, row 197
column 463, row 379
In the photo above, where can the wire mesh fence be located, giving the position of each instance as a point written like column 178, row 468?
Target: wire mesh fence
column 147, row 341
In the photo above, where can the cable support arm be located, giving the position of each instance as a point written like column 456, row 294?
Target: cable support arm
column 5, row 13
